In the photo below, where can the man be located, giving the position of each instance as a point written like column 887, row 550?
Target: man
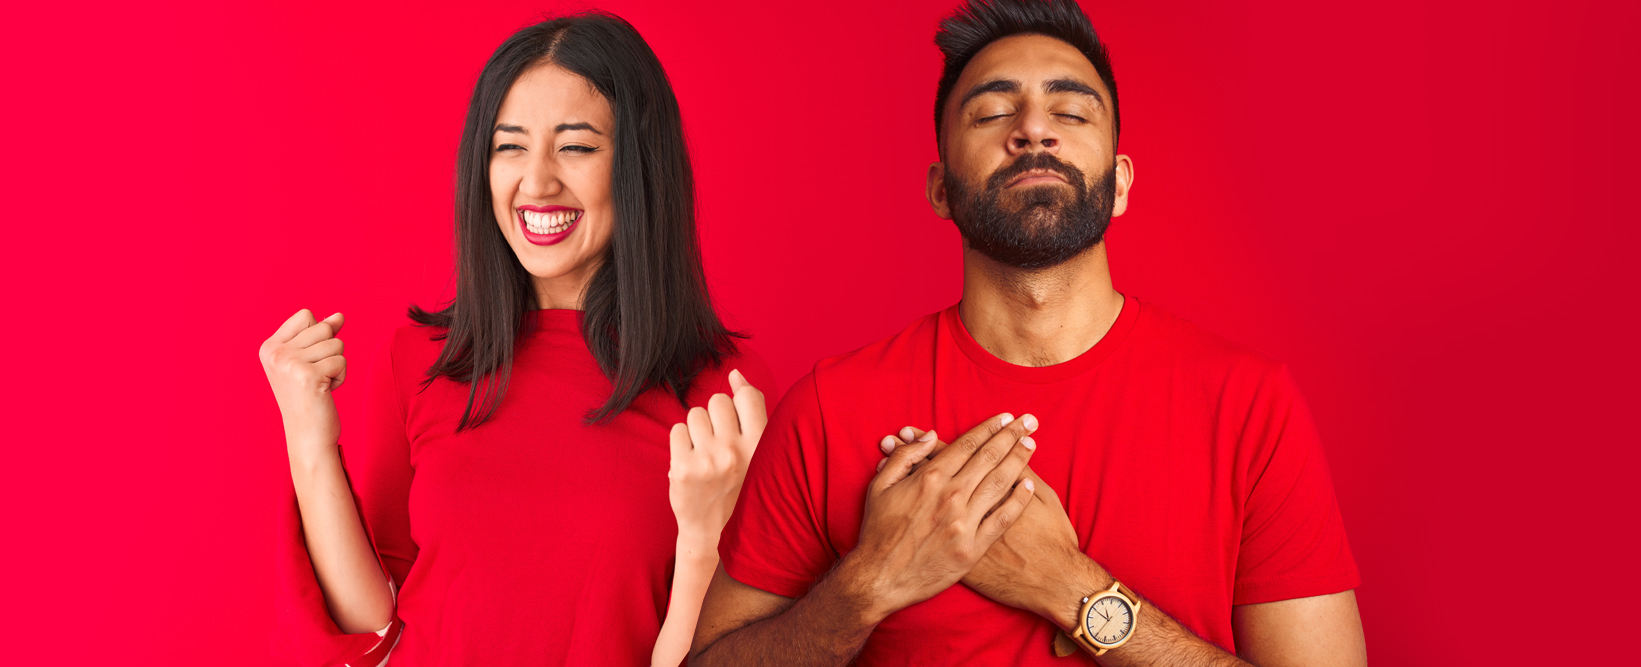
column 1160, row 456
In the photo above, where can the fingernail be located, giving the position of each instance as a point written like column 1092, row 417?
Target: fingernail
column 880, row 464
column 907, row 434
column 927, row 436
column 1029, row 485
column 1029, row 443
column 888, row 444
column 736, row 374
column 1007, row 418
column 1029, row 422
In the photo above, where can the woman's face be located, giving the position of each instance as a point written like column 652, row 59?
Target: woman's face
column 550, row 166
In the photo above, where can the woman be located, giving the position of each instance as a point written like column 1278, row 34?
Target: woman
column 507, row 503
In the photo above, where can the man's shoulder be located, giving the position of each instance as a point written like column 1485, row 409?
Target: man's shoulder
column 890, row 361
column 1160, row 336
column 1179, row 350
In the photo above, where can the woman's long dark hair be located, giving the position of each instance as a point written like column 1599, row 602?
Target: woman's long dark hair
column 649, row 321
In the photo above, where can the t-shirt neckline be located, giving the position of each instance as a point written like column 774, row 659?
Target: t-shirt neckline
column 952, row 324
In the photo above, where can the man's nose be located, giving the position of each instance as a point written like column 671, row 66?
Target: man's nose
column 1034, row 131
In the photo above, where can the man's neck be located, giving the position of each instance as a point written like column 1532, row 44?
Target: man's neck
column 1039, row 317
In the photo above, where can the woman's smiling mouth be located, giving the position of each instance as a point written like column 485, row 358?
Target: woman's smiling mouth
column 547, row 225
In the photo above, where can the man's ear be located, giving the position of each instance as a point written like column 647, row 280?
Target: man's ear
column 1124, row 177
column 935, row 190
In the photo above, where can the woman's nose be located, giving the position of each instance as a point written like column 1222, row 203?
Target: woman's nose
column 540, row 178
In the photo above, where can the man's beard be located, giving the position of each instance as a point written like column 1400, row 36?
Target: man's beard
column 1039, row 227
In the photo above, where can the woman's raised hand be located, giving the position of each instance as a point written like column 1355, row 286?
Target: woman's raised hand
column 709, row 458
column 304, row 363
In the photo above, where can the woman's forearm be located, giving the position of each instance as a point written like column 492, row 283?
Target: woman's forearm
column 356, row 590
column 697, row 559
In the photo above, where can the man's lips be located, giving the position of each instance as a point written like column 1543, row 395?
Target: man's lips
column 1036, row 176
column 547, row 225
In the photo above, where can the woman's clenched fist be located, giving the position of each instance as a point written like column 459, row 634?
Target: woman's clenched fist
column 304, row 363
column 709, row 457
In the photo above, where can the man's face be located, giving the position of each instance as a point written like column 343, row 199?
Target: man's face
column 1030, row 175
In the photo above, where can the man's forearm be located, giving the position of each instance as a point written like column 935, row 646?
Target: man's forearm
column 1158, row 641
column 824, row 628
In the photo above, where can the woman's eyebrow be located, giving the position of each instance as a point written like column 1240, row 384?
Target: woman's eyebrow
column 565, row 127
column 512, row 128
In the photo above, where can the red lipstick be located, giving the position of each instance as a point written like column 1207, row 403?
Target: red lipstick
column 564, row 229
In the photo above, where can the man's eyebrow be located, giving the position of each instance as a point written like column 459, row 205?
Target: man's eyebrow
column 565, row 127
column 993, row 86
column 1073, row 86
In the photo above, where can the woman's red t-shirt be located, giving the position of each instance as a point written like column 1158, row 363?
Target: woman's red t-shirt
column 532, row 539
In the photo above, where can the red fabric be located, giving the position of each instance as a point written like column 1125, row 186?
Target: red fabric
column 1189, row 466
column 530, row 540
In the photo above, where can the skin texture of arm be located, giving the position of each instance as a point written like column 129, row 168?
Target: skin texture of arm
column 710, row 453
column 304, row 364
column 1325, row 630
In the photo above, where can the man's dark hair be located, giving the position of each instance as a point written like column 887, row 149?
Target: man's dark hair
column 649, row 320
column 978, row 23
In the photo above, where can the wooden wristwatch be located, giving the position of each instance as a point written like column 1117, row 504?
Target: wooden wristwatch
column 1106, row 621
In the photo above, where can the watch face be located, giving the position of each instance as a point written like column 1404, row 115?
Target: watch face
column 1110, row 619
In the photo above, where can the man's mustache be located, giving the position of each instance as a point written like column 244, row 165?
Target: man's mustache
column 1035, row 162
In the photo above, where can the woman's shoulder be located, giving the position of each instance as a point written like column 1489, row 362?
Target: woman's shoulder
column 409, row 351
column 416, row 342
column 715, row 379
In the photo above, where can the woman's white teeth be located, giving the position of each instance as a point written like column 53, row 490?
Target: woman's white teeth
column 549, row 222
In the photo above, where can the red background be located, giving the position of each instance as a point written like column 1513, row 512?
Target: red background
column 1417, row 205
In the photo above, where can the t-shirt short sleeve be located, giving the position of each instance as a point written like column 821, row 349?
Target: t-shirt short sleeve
column 1293, row 538
column 776, row 541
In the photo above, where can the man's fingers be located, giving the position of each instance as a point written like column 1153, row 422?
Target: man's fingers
column 996, row 484
column 958, row 452
column 998, row 523
column 901, row 437
column 1044, row 492
column 721, row 408
column 993, row 453
column 899, row 465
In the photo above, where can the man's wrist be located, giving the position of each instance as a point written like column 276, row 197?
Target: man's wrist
column 1062, row 603
column 850, row 586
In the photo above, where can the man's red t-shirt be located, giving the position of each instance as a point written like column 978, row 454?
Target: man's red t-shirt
column 1189, row 466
